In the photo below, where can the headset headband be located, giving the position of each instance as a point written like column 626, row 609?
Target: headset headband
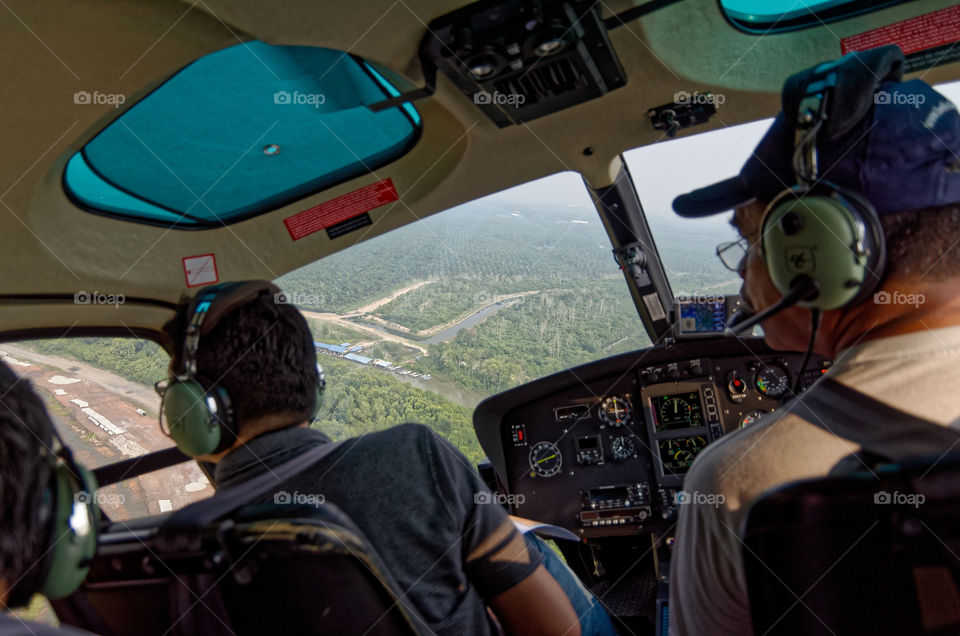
column 207, row 309
column 811, row 115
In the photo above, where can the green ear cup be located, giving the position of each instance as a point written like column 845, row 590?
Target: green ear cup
column 816, row 237
column 188, row 419
column 75, row 530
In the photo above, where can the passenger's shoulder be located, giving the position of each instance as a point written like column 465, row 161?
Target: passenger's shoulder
column 405, row 440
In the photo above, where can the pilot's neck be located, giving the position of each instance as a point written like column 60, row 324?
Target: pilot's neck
column 912, row 307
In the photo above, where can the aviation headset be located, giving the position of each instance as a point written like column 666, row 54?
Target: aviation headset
column 199, row 413
column 817, row 233
column 70, row 516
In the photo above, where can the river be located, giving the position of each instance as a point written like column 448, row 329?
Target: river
column 451, row 332
column 449, row 390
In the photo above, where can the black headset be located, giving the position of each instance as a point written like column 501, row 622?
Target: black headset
column 817, row 234
column 69, row 515
column 199, row 413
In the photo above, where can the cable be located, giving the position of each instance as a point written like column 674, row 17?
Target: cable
column 814, row 325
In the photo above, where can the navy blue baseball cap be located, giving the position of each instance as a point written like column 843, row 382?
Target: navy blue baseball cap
column 896, row 143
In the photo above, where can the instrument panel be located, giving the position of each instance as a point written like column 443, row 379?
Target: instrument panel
column 602, row 449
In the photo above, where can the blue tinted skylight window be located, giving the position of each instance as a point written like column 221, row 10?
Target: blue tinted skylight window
column 239, row 132
column 773, row 10
column 772, row 16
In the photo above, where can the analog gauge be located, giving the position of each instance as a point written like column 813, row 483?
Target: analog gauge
column 772, row 381
column 675, row 412
column 615, row 411
column 545, row 459
column 623, row 448
column 750, row 417
column 694, row 443
column 683, row 456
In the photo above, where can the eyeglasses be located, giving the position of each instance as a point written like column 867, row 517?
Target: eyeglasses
column 732, row 253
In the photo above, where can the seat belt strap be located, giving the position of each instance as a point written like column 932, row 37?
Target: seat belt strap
column 878, row 428
column 228, row 499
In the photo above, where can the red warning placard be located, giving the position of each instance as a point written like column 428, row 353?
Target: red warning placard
column 343, row 208
column 916, row 35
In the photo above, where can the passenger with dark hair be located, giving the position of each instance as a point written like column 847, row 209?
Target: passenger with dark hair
column 26, row 478
column 414, row 496
column 891, row 152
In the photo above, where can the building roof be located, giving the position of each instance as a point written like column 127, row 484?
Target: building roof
column 329, row 347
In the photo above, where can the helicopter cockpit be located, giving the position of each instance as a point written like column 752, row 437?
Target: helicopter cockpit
column 470, row 203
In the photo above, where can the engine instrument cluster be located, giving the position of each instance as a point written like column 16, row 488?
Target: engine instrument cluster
column 604, row 451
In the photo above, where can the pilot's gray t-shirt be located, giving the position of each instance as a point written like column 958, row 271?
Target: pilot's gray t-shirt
column 413, row 496
column 915, row 373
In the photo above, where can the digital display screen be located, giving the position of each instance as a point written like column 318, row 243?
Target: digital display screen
column 680, row 410
column 676, row 455
column 571, row 413
column 703, row 317
column 588, row 443
column 612, row 493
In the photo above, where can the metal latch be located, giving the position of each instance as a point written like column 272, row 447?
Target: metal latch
column 686, row 110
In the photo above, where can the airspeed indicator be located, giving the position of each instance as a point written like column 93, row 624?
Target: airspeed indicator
column 545, row 459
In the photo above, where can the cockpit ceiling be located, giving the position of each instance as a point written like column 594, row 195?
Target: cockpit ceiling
column 52, row 50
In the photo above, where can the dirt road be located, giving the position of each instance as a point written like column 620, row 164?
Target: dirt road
column 366, row 309
column 343, row 322
column 145, row 397
column 77, row 397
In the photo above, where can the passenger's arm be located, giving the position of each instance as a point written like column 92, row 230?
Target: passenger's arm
column 507, row 573
column 536, row 606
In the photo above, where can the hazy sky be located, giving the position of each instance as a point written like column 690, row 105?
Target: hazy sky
column 664, row 170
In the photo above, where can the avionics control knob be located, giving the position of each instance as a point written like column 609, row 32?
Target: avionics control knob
column 673, row 373
column 654, row 375
column 736, row 387
column 696, row 368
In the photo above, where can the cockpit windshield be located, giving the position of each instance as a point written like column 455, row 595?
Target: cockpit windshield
column 477, row 299
column 664, row 170
column 688, row 246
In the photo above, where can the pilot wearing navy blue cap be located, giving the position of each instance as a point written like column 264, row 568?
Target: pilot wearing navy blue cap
column 849, row 209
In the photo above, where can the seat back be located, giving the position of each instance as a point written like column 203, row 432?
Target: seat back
column 864, row 553
column 265, row 569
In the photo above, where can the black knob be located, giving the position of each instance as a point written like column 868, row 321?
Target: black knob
column 673, row 372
